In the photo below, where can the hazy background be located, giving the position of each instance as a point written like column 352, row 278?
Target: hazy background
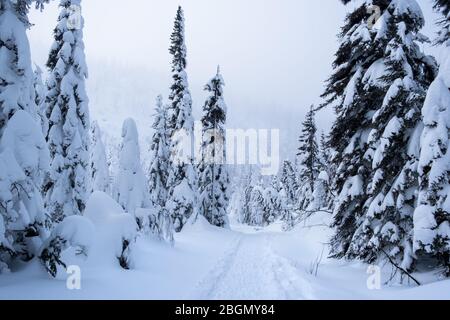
column 274, row 54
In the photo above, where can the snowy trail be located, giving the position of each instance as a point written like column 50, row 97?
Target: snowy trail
column 249, row 270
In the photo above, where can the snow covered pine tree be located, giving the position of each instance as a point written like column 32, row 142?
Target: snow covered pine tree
column 308, row 153
column 432, row 216
column 213, row 174
column 68, row 114
column 183, row 191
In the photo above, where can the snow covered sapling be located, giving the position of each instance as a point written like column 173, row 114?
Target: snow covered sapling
column 98, row 164
column 74, row 231
column 68, row 114
column 131, row 187
column 213, row 172
column 183, row 193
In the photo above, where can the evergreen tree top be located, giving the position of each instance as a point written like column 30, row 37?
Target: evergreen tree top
column 215, row 108
column 178, row 46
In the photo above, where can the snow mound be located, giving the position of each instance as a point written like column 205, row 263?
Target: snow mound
column 116, row 231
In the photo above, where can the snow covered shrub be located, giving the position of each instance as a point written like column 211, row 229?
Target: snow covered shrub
column 116, row 231
column 73, row 231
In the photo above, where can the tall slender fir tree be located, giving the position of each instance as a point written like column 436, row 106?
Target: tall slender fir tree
column 183, row 195
column 308, row 153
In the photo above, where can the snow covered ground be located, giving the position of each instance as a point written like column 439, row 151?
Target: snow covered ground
column 212, row 263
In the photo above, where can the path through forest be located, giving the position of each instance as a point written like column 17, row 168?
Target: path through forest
column 251, row 269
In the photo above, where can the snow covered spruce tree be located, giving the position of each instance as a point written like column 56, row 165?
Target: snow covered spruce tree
column 432, row 216
column 68, row 114
column 98, row 164
column 359, row 49
column 213, row 174
column 24, row 157
column 403, row 74
column 182, row 179
column 158, row 172
column 131, row 187
column 309, row 160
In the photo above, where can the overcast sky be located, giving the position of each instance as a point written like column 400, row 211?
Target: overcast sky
column 274, row 54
